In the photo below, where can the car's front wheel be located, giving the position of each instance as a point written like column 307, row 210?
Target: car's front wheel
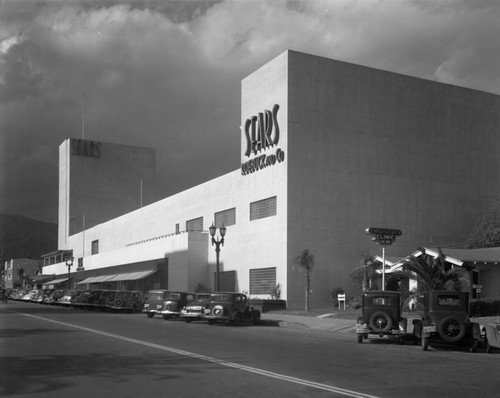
column 488, row 346
column 150, row 314
column 425, row 343
column 474, row 345
column 236, row 318
column 256, row 317
column 417, row 329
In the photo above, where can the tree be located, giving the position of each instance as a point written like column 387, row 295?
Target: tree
column 366, row 272
column 304, row 262
column 436, row 273
column 486, row 233
column 433, row 274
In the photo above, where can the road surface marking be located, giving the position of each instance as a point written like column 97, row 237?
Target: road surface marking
column 307, row 383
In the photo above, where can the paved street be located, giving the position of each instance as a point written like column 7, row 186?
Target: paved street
column 63, row 352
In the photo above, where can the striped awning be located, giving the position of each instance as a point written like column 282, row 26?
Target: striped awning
column 97, row 279
column 55, row 281
column 133, row 276
column 129, row 276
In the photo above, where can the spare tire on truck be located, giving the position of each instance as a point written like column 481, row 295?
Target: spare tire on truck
column 451, row 329
column 380, row 322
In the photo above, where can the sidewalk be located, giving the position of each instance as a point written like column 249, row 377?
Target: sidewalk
column 331, row 322
column 327, row 322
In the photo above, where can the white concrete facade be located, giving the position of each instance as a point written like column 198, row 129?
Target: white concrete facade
column 357, row 148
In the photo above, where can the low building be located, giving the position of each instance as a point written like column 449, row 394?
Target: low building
column 483, row 266
column 20, row 273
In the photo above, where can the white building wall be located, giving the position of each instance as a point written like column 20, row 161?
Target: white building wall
column 244, row 246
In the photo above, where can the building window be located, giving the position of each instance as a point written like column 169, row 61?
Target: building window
column 262, row 280
column 263, row 208
column 95, row 247
column 177, row 228
column 226, row 217
column 227, row 281
column 195, row 224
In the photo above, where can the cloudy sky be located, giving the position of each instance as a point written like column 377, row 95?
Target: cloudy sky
column 167, row 74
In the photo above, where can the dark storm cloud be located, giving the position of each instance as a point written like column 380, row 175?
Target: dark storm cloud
column 166, row 74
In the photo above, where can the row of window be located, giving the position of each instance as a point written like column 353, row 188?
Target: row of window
column 259, row 209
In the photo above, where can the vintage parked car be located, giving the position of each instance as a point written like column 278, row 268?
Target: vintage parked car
column 54, row 297
column 42, row 294
column 492, row 337
column 153, row 302
column 197, row 309
column 87, row 299
column 127, row 300
column 381, row 315
column 68, row 297
column 231, row 307
column 105, row 300
column 82, row 299
column 16, row 294
column 446, row 321
column 30, row 295
column 174, row 302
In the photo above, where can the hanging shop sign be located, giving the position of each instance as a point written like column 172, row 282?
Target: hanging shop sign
column 262, row 133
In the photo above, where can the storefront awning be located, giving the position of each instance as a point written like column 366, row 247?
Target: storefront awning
column 43, row 278
column 103, row 278
column 55, row 281
column 97, row 279
column 133, row 276
column 130, row 276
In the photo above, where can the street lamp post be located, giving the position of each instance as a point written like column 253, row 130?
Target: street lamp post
column 69, row 263
column 217, row 243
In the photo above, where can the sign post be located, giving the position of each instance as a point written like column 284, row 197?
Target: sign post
column 383, row 237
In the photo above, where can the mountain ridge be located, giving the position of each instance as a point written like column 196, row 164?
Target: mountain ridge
column 23, row 237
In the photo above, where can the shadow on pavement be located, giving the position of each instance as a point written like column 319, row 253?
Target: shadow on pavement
column 46, row 374
column 5, row 333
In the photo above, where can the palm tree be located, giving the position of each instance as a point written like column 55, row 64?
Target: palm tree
column 436, row 273
column 364, row 274
column 433, row 274
column 305, row 261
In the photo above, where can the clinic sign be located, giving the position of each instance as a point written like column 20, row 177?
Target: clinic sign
column 261, row 134
column 383, row 236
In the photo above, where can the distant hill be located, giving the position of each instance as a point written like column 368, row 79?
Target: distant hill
column 22, row 237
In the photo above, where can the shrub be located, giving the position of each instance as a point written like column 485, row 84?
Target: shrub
column 201, row 288
column 276, row 293
column 485, row 307
column 265, row 305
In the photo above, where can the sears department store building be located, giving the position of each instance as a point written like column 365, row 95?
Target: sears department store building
column 328, row 149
